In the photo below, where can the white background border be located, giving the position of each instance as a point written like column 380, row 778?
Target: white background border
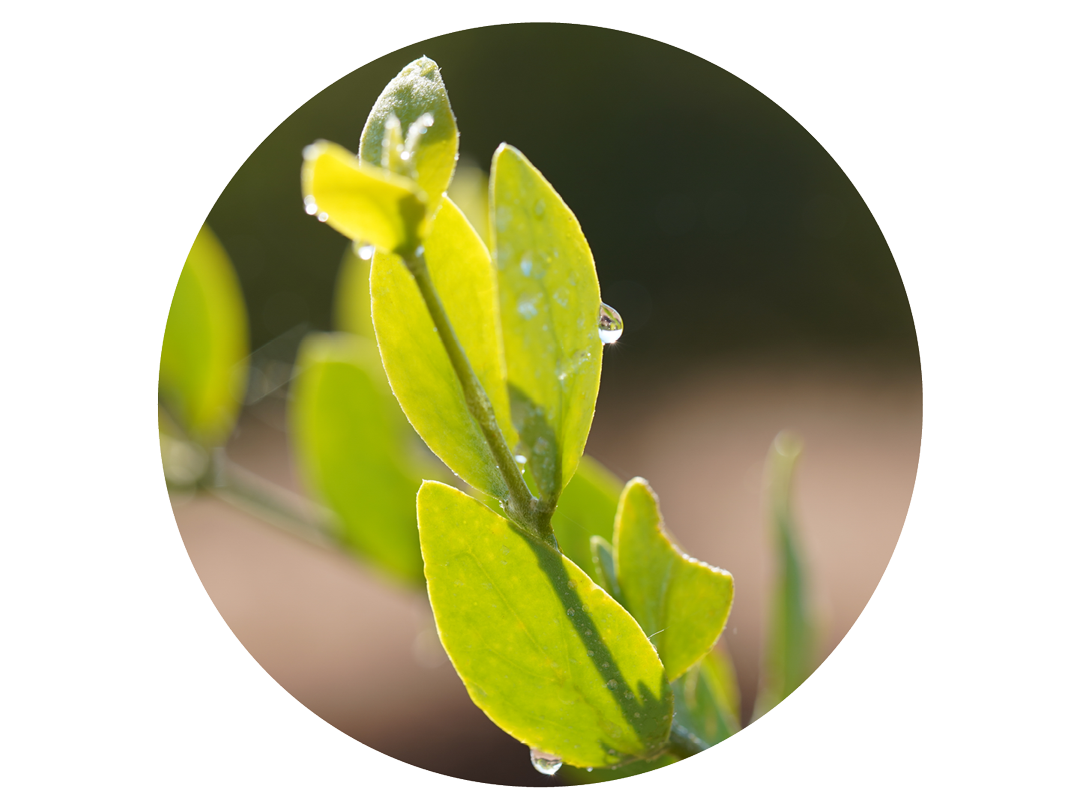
column 122, row 684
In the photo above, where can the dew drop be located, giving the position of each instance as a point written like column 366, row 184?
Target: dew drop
column 538, row 208
column 526, row 307
column 570, row 611
column 545, row 763
column 610, row 324
column 526, row 265
column 561, row 296
column 366, row 251
column 521, row 459
column 310, row 208
column 588, row 769
column 323, row 216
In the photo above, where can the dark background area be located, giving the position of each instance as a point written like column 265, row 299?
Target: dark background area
column 758, row 294
column 718, row 224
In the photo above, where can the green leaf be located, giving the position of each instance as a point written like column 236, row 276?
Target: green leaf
column 415, row 360
column 543, row 651
column 416, row 90
column 706, row 698
column 789, row 645
column 365, row 203
column 352, row 294
column 683, row 604
column 348, row 437
column 586, row 508
column 203, row 372
column 549, row 302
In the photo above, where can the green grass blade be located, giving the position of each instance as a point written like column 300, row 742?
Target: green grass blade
column 681, row 603
column 544, row 652
column 416, row 90
column 586, row 509
column 549, row 303
column 415, row 360
column 790, row 641
column 203, row 372
column 348, row 437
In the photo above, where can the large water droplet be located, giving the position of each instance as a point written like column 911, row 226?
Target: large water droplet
column 609, row 324
column 545, row 763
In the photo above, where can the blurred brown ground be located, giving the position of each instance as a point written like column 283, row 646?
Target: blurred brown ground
column 360, row 652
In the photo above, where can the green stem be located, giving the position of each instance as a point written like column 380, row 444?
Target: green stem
column 262, row 499
column 524, row 509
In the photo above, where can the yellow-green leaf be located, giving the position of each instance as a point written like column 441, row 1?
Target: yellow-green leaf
column 364, row 202
column 349, row 438
column 789, row 644
column 415, row 360
column 545, row 653
column 203, row 372
column 431, row 147
column 681, row 603
column 549, row 302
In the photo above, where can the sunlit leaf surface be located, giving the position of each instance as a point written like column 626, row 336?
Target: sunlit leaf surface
column 416, row 362
column 416, row 90
column 203, row 371
column 681, row 603
column 364, row 202
column 549, row 304
column 544, row 652
column 348, row 437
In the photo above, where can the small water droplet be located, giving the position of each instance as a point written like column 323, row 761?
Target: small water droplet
column 538, row 208
column 570, row 611
column 526, row 264
column 546, row 763
column 612, row 684
column 561, row 296
column 366, row 251
column 527, row 307
column 610, row 324
column 311, row 151
column 588, row 769
column 521, row 459
column 590, row 654
column 310, row 208
column 405, row 155
column 323, row 216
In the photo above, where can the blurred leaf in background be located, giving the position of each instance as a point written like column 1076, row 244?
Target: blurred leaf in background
column 349, row 438
column 203, row 371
